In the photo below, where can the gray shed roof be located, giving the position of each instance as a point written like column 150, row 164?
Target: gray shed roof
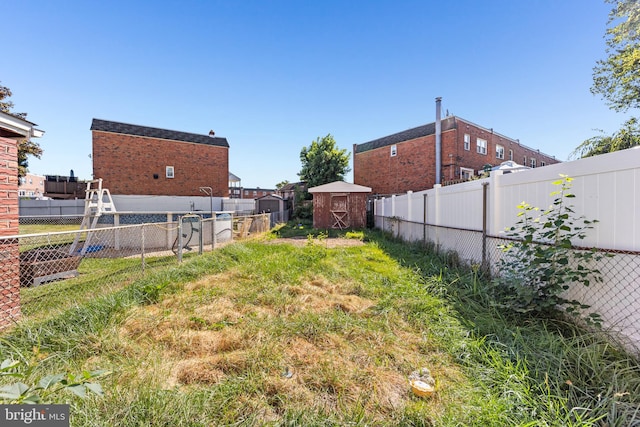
column 340, row 187
column 172, row 135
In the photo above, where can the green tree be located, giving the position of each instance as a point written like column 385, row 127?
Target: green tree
column 617, row 78
column 281, row 184
column 627, row 137
column 26, row 147
column 323, row 162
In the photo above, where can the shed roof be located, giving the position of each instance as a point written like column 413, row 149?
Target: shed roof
column 340, row 187
column 172, row 135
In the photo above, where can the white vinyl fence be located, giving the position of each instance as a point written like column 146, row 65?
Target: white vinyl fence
column 471, row 218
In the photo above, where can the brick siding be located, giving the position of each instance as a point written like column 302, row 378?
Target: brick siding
column 136, row 165
column 413, row 166
column 9, row 250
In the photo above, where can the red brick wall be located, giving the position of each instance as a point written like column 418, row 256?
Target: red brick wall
column 127, row 165
column 9, row 251
column 413, row 168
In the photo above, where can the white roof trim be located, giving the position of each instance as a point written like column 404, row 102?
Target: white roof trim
column 19, row 126
column 340, row 187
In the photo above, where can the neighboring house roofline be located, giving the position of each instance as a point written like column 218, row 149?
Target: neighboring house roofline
column 448, row 123
column 151, row 132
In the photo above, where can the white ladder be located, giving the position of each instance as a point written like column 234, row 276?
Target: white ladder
column 97, row 201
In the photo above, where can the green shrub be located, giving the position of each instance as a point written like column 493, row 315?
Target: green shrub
column 541, row 264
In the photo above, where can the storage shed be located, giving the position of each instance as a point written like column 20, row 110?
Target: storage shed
column 273, row 204
column 340, row 205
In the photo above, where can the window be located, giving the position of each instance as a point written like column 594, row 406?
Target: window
column 394, row 150
column 467, row 141
column 466, row 173
column 499, row 152
column 533, row 162
column 170, row 173
column 543, row 163
column 255, row 193
column 511, row 155
column 481, row 146
column 524, row 161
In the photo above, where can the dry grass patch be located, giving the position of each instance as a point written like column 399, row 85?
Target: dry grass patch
column 309, row 345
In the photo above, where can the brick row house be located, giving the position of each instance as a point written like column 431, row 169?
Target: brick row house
column 142, row 160
column 12, row 130
column 406, row 161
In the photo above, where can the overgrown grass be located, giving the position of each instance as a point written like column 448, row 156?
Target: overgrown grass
column 267, row 333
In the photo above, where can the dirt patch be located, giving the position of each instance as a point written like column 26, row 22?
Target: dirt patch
column 330, row 242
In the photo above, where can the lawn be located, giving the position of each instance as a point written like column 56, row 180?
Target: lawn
column 46, row 228
column 265, row 332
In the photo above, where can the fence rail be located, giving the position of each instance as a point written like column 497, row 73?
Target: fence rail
column 39, row 261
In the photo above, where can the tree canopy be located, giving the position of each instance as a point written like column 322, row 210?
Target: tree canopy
column 323, row 162
column 627, row 137
column 617, row 78
column 26, row 147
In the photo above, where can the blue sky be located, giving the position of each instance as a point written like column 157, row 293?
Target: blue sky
column 271, row 76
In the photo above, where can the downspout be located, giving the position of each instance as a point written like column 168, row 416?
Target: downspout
column 438, row 142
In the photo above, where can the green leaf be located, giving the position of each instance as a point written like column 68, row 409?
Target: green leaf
column 13, row 391
column 95, row 388
column 79, row 390
column 8, row 364
column 50, row 380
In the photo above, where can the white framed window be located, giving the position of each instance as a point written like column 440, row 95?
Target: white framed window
column 511, row 155
column 499, row 152
column 466, row 173
column 170, row 172
column 524, row 160
column 394, row 150
column 533, row 162
column 543, row 163
column 481, row 145
column 467, row 141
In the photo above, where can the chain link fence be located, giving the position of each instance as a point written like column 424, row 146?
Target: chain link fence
column 616, row 299
column 67, row 266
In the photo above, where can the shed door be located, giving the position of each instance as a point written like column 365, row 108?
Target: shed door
column 340, row 211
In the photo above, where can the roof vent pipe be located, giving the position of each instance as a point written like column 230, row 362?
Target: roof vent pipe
column 438, row 140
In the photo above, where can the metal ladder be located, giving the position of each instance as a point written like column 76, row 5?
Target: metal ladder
column 94, row 206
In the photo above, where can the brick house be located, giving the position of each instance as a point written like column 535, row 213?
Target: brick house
column 405, row 161
column 142, row 160
column 12, row 130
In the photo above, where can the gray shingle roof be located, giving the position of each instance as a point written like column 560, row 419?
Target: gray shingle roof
column 407, row 135
column 128, row 129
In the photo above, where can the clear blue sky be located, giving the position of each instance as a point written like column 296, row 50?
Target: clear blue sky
column 271, row 76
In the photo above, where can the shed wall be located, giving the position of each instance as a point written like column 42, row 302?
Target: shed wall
column 356, row 207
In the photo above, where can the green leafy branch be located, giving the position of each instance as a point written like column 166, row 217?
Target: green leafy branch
column 541, row 263
column 27, row 390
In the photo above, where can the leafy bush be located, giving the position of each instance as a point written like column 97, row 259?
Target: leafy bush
column 29, row 389
column 538, row 267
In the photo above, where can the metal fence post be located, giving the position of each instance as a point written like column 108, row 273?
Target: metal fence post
column 485, row 207
column 179, row 239
column 142, row 248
